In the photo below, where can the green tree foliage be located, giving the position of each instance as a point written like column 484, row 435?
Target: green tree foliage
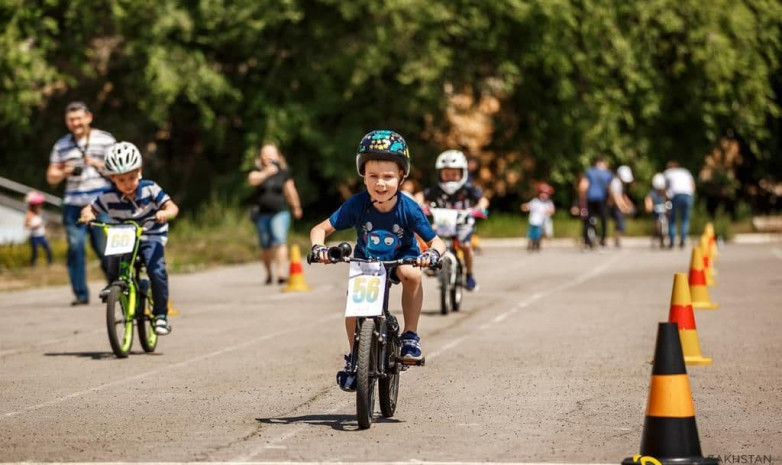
column 200, row 84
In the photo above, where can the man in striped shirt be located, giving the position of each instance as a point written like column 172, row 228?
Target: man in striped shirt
column 78, row 159
column 143, row 201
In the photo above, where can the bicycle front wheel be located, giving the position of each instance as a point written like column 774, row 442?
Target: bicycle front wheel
column 119, row 326
column 366, row 374
column 389, row 386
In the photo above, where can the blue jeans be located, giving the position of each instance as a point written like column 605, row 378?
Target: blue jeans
column 681, row 206
column 153, row 255
column 77, row 234
column 36, row 241
column 272, row 228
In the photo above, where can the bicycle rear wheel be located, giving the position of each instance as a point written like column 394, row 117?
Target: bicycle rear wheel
column 145, row 321
column 389, row 386
column 119, row 326
column 366, row 373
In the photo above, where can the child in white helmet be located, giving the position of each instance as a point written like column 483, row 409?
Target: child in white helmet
column 133, row 198
column 453, row 191
column 658, row 204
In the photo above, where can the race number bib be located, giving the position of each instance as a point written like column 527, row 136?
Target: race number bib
column 366, row 289
column 445, row 221
column 120, row 240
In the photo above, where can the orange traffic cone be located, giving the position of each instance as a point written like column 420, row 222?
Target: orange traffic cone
column 295, row 276
column 707, row 269
column 670, row 433
column 699, row 293
column 709, row 231
column 681, row 313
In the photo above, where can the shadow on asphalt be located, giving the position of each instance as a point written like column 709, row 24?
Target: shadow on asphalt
column 92, row 355
column 335, row 421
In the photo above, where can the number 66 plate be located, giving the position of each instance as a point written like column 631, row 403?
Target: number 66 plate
column 120, row 240
column 366, row 289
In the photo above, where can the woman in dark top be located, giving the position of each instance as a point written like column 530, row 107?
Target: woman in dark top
column 273, row 189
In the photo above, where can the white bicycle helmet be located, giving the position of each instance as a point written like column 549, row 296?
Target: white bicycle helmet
column 122, row 158
column 625, row 174
column 452, row 159
column 658, row 181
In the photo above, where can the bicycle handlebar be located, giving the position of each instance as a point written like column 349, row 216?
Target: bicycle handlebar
column 341, row 254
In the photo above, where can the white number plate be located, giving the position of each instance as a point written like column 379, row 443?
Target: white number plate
column 120, row 239
column 445, row 221
column 366, row 289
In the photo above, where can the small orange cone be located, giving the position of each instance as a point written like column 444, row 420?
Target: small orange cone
column 670, row 434
column 709, row 232
column 707, row 269
column 296, row 281
column 681, row 313
column 699, row 293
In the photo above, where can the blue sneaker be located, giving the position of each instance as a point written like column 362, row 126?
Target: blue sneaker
column 471, row 285
column 345, row 379
column 411, row 346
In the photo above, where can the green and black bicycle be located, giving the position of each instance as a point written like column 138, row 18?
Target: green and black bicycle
column 129, row 298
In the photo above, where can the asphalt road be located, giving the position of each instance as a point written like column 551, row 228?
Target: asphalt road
column 547, row 362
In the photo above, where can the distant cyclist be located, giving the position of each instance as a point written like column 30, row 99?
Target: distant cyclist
column 453, row 191
column 658, row 204
column 619, row 202
column 137, row 199
column 540, row 210
column 593, row 195
column 385, row 223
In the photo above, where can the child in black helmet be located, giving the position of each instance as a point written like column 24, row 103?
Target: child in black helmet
column 386, row 224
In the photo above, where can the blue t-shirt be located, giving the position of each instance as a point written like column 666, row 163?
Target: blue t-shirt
column 383, row 235
column 599, row 179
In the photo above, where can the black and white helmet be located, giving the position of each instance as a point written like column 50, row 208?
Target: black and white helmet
column 452, row 159
column 122, row 158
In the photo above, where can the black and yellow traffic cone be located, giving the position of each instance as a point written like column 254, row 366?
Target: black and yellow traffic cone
column 296, row 282
column 681, row 313
column 670, row 434
column 699, row 292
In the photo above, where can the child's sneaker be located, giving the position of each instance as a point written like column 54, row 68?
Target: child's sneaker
column 345, row 379
column 471, row 285
column 161, row 326
column 411, row 346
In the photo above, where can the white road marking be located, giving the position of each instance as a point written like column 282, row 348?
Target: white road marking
column 275, row 444
column 162, row 369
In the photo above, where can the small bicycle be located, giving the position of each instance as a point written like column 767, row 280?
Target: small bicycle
column 129, row 298
column 375, row 358
column 661, row 212
column 451, row 275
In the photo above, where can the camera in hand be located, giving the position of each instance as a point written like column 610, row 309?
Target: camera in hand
column 77, row 171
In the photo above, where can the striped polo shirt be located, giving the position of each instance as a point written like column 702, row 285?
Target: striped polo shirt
column 148, row 200
column 81, row 190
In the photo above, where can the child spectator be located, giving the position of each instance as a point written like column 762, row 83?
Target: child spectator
column 540, row 210
column 35, row 223
column 383, row 161
column 139, row 200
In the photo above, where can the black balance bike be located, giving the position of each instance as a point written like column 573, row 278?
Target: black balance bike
column 375, row 358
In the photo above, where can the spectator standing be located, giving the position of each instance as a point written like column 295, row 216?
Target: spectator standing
column 273, row 188
column 78, row 159
column 681, row 191
column 593, row 195
column 620, row 202
column 35, row 223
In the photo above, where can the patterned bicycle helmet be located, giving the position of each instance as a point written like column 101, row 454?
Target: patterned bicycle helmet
column 452, row 159
column 123, row 157
column 383, row 145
